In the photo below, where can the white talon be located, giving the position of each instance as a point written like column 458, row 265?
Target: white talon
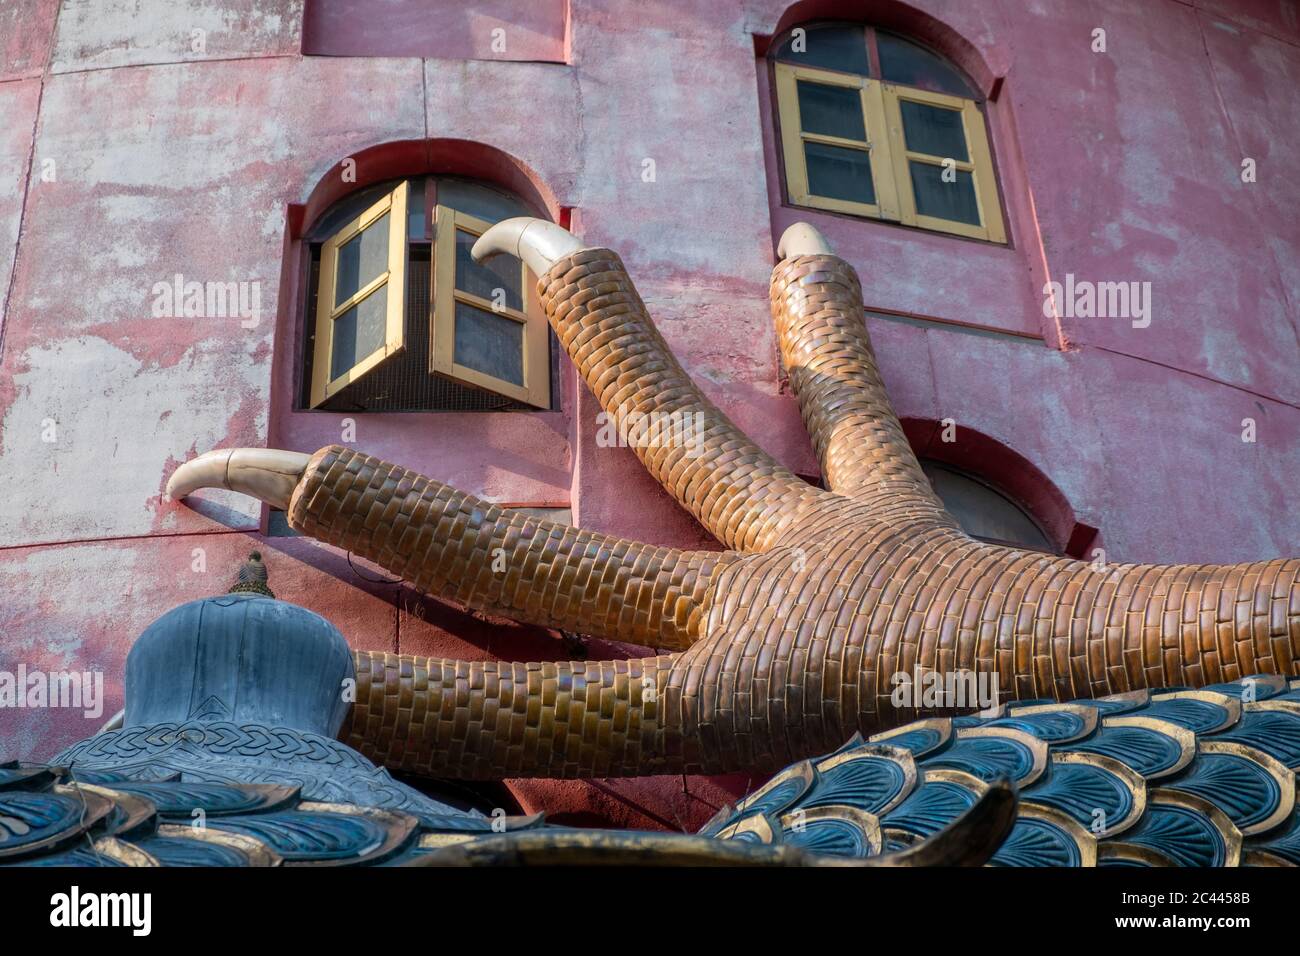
column 268, row 474
column 803, row 239
column 539, row 243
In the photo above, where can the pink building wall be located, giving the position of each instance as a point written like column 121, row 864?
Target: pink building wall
column 128, row 155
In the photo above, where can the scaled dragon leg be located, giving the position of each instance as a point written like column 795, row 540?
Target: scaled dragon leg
column 742, row 495
column 457, row 546
column 817, row 306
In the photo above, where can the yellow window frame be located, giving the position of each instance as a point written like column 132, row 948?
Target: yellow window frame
column 889, row 155
column 328, row 312
column 980, row 164
column 793, row 138
column 536, row 390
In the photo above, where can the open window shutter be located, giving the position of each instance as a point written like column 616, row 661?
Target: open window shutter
column 942, row 163
column 361, row 298
column 488, row 328
column 834, row 143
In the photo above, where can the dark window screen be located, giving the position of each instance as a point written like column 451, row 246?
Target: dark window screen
column 910, row 64
column 984, row 512
column 831, row 110
column 934, row 131
column 830, row 46
column 955, row 201
column 839, row 173
column 489, row 343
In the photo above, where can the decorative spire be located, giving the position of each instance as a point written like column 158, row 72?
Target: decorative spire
column 252, row 577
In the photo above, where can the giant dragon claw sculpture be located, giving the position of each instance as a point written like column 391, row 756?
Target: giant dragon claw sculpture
column 784, row 645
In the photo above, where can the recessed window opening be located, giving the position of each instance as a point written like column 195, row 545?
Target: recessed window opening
column 399, row 317
column 983, row 511
column 872, row 124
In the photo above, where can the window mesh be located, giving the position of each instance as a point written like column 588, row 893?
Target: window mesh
column 404, row 383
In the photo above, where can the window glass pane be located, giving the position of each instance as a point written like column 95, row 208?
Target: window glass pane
column 839, row 173
column 903, row 62
column 934, row 130
column 983, row 512
column 934, row 197
column 359, row 331
column 481, row 202
column 415, row 218
column 348, row 208
column 362, row 259
column 831, row 110
column 831, row 46
column 499, row 279
column 489, row 343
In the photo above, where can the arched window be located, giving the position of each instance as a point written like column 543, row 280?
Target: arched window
column 399, row 317
column 984, row 512
column 872, row 124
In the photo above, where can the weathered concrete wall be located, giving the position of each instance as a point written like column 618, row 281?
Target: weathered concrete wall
column 130, row 153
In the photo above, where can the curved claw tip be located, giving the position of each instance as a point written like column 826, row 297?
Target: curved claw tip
column 268, row 474
column 206, row 471
column 539, row 243
column 803, row 239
